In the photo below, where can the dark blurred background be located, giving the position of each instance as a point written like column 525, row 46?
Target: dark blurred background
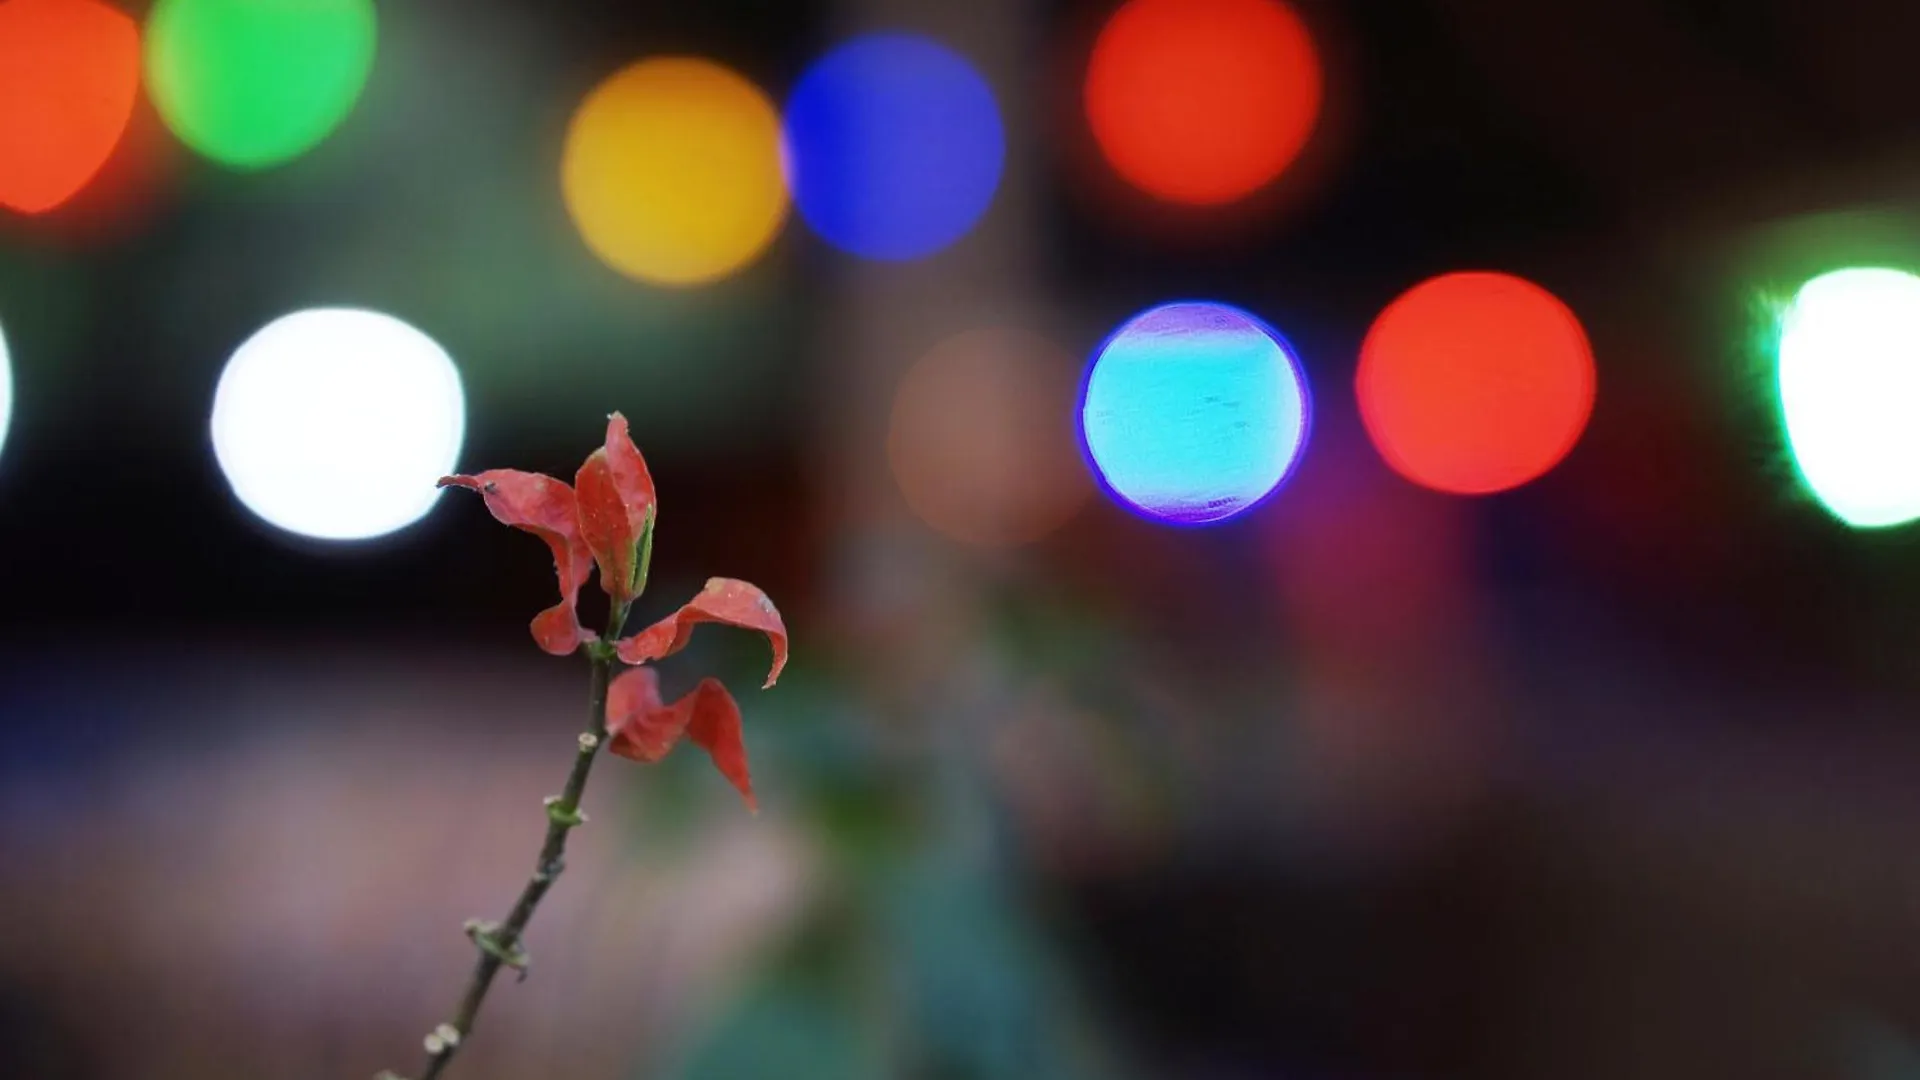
column 1609, row 776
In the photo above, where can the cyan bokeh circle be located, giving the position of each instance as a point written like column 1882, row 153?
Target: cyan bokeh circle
column 1194, row 412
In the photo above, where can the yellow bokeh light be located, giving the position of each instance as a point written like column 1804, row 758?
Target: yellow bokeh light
column 672, row 171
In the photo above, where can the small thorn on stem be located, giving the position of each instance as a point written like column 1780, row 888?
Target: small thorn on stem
column 589, row 742
column 507, row 949
column 560, row 815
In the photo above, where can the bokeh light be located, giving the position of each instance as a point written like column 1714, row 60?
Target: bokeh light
column 982, row 442
column 335, row 423
column 1203, row 101
column 1194, row 412
column 69, row 74
column 673, row 171
column 1475, row 382
column 896, row 146
column 253, row 83
column 6, row 392
column 1849, row 383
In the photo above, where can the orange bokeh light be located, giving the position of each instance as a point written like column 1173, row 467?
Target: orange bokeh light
column 982, row 441
column 1475, row 382
column 1203, row 101
column 69, row 73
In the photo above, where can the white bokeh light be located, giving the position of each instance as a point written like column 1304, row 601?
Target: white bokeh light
column 6, row 392
column 335, row 423
column 1850, row 392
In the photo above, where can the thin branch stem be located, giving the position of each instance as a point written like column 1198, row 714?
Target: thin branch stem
column 500, row 943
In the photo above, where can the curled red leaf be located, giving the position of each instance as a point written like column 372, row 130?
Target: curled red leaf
column 639, row 725
column 616, row 497
column 715, row 728
column 546, row 508
column 643, row 728
column 630, row 475
column 724, row 600
column 603, row 524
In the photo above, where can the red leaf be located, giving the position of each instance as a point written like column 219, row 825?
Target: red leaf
column 724, row 600
column 630, row 475
column 544, row 507
column 715, row 728
column 643, row 729
column 605, row 527
column 641, row 726
column 616, row 496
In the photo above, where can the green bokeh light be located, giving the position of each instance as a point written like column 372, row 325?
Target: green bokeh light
column 1849, row 381
column 253, row 83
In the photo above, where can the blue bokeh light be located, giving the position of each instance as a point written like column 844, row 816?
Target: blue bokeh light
column 895, row 146
column 1194, row 412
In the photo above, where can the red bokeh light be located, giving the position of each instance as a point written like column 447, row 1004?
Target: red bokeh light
column 1203, row 101
column 69, row 73
column 1475, row 382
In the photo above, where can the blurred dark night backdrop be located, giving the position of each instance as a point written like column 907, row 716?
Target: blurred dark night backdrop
column 1609, row 776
